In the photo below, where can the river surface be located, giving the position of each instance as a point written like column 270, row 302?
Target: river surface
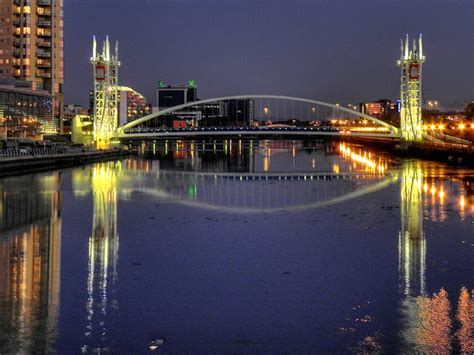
column 239, row 247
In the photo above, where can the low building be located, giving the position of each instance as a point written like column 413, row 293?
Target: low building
column 71, row 111
column 25, row 112
column 82, row 130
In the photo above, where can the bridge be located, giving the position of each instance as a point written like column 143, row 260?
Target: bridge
column 282, row 108
column 106, row 128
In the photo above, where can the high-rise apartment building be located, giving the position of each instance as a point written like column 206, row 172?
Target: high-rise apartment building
column 31, row 49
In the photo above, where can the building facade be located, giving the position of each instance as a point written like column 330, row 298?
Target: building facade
column 132, row 105
column 24, row 112
column 384, row 109
column 169, row 96
column 31, row 48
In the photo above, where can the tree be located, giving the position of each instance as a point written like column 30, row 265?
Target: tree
column 469, row 109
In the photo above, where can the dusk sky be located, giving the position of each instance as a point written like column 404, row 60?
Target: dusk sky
column 335, row 51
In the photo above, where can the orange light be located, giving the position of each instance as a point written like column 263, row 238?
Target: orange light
column 462, row 126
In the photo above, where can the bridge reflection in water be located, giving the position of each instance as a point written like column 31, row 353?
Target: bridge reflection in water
column 31, row 229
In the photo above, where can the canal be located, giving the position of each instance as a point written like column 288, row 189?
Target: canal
column 239, row 246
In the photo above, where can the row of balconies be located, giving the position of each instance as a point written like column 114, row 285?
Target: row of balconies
column 39, row 42
column 28, row 2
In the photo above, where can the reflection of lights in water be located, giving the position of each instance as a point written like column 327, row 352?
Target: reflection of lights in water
column 412, row 243
column 428, row 328
column 103, row 252
column 335, row 168
column 369, row 162
column 313, row 163
column 30, row 256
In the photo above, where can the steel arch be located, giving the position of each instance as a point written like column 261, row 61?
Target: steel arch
column 121, row 130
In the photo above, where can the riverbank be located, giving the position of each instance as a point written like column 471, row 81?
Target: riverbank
column 452, row 154
column 34, row 163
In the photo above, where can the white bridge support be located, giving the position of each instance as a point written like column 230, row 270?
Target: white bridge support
column 120, row 132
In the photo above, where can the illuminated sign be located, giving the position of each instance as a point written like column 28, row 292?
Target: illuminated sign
column 414, row 71
column 99, row 72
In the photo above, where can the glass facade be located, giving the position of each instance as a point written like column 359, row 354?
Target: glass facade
column 25, row 113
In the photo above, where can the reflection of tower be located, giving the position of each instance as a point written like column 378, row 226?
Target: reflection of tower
column 30, row 264
column 105, row 92
column 410, row 63
column 412, row 243
column 103, row 254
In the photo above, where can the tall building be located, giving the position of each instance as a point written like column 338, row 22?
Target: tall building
column 169, row 96
column 31, row 48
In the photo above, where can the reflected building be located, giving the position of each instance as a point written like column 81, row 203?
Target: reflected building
column 103, row 256
column 30, row 244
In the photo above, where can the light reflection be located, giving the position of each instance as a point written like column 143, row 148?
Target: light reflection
column 103, row 257
column 30, row 244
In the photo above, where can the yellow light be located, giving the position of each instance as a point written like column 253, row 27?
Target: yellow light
column 425, row 187
column 441, row 194
column 433, row 190
column 472, row 125
column 462, row 202
column 425, row 127
column 432, row 127
column 441, row 126
column 462, row 126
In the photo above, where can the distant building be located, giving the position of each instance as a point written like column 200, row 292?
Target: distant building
column 25, row 112
column 385, row 110
column 132, row 105
column 169, row 96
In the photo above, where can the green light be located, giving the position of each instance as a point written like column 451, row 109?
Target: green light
column 192, row 192
column 161, row 84
column 192, row 84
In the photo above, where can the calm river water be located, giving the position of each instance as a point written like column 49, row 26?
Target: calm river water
column 239, row 247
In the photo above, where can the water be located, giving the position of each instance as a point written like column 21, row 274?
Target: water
column 239, row 247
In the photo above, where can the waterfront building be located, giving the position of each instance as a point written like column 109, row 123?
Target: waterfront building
column 24, row 112
column 31, row 49
column 71, row 111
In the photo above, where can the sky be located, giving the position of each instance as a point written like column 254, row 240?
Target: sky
column 328, row 50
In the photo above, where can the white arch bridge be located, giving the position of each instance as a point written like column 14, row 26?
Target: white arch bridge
column 268, row 107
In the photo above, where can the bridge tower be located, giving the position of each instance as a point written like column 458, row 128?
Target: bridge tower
column 105, row 91
column 410, row 63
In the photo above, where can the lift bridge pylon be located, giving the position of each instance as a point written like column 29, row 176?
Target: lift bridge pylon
column 105, row 66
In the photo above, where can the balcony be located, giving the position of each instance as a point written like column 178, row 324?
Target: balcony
column 42, row 32
column 44, row 23
column 40, row 63
column 43, row 74
column 44, row 2
column 43, row 43
column 16, row 42
column 19, row 53
column 43, row 54
column 41, row 11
